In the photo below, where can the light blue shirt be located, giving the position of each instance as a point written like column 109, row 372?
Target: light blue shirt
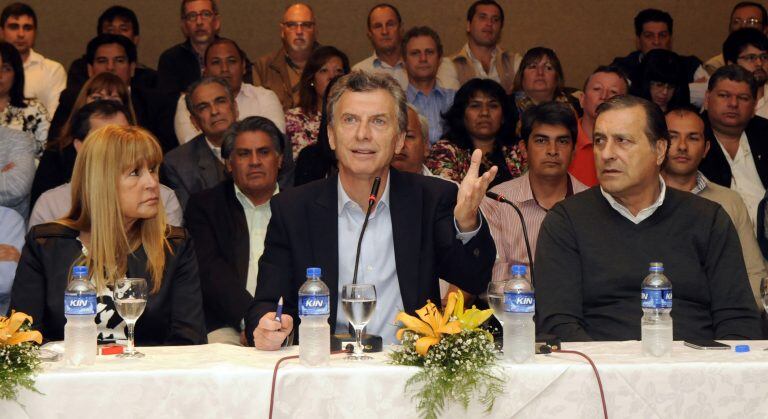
column 432, row 106
column 11, row 232
column 377, row 261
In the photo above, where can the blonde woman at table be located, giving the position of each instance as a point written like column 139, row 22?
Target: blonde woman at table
column 117, row 228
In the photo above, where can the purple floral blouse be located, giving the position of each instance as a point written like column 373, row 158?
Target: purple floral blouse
column 301, row 129
column 452, row 162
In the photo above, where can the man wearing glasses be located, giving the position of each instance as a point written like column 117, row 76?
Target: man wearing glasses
column 182, row 64
column 749, row 49
column 747, row 14
column 280, row 71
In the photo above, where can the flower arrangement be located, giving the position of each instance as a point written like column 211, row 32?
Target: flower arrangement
column 18, row 354
column 458, row 358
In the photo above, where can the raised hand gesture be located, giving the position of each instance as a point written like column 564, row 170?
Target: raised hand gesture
column 471, row 193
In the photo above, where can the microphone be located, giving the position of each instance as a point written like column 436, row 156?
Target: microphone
column 500, row 198
column 371, row 203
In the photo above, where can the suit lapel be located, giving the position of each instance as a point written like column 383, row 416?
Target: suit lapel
column 210, row 169
column 324, row 236
column 756, row 137
column 240, row 235
column 405, row 207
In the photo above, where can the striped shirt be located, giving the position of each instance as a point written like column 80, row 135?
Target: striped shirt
column 505, row 225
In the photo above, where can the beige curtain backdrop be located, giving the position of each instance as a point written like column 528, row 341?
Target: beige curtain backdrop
column 583, row 33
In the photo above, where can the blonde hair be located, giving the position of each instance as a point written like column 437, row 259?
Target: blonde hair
column 102, row 81
column 106, row 154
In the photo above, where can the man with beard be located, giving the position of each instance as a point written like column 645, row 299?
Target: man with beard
column 749, row 49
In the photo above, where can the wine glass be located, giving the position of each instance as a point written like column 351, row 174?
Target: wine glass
column 496, row 299
column 358, row 302
column 130, row 297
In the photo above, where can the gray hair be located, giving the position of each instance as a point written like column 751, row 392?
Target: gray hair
column 250, row 124
column 202, row 82
column 361, row 81
column 423, row 122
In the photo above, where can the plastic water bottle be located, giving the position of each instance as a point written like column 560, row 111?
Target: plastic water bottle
column 656, row 325
column 314, row 330
column 80, row 332
column 519, row 307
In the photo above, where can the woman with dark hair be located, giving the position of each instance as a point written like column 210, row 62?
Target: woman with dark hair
column 16, row 112
column 318, row 160
column 479, row 118
column 664, row 81
column 302, row 123
column 539, row 80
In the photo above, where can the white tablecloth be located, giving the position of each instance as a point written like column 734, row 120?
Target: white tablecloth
column 221, row 381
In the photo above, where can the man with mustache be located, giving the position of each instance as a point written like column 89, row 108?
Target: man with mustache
column 738, row 159
column 687, row 147
column 749, row 49
column 422, row 52
column 549, row 135
column 280, row 71
column 229, row 222
column 595, row 247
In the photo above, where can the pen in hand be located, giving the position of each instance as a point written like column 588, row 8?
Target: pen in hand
column 279, row 309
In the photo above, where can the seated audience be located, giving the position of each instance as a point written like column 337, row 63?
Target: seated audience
column 422, row 53
column 481, row 57
column 116, row 172
column 198, row 165
column 17, row 169
column 385, row 31
column 738, row 158
column 16, row 112
column 55, row 203
column 116, row 20
column 415, row 149
column 229, row 222
column 745, row 14
column 540, row 80
column 44, row 78
column 116, row 54
column 317, row 161
column 749, row 49
column 604, row 83
column 58, row 159
column 687, row 147
column 549, row 131
column 225, row 59
column 653, row 29
column 661, row 82
column 281, row 71
column 302, row 123
column 11, row 242
column 594, row 248
column 182, row 64
column 478, row 119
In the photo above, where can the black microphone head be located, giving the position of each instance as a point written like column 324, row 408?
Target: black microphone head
column 494, row 196
column 374, row 191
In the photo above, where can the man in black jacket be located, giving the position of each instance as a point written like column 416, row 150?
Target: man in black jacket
column 420, row 228
column 738, row 158
column 229, row 222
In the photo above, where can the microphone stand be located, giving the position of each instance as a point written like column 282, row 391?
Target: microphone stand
column 500, row 198
column 371, row 203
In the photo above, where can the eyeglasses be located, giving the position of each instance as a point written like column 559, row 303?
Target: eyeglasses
column 747, row 23
column 206, row 15
column 752, row 58
column 292, row 26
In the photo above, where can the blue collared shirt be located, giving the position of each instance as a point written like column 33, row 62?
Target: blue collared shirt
column 377, row 261
column 432, row 106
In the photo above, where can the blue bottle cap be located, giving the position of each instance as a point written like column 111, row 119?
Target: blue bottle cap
column 313, row 272
column 656, row 267
column 519, row 269
column 741, row 348
column 80, row 271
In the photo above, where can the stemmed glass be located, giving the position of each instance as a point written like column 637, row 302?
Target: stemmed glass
column 130, row 297
column 358, row 302
column 496, row 299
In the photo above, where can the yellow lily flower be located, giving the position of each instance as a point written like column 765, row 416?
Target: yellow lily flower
column 470, row 319
column 9, row 326
column 430, row 325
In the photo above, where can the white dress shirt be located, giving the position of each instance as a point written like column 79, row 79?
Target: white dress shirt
column 744, row 177
column 644, row 213
column 251, row 101
column 761, row 107
column 44, row 80
column 257, row 217
column 377, row 261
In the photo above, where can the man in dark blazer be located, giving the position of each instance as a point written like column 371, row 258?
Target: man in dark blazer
column 421, row 228
column 730, row 103
column 229, row 221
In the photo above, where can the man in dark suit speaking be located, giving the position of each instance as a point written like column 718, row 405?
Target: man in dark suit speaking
column 419, row 230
